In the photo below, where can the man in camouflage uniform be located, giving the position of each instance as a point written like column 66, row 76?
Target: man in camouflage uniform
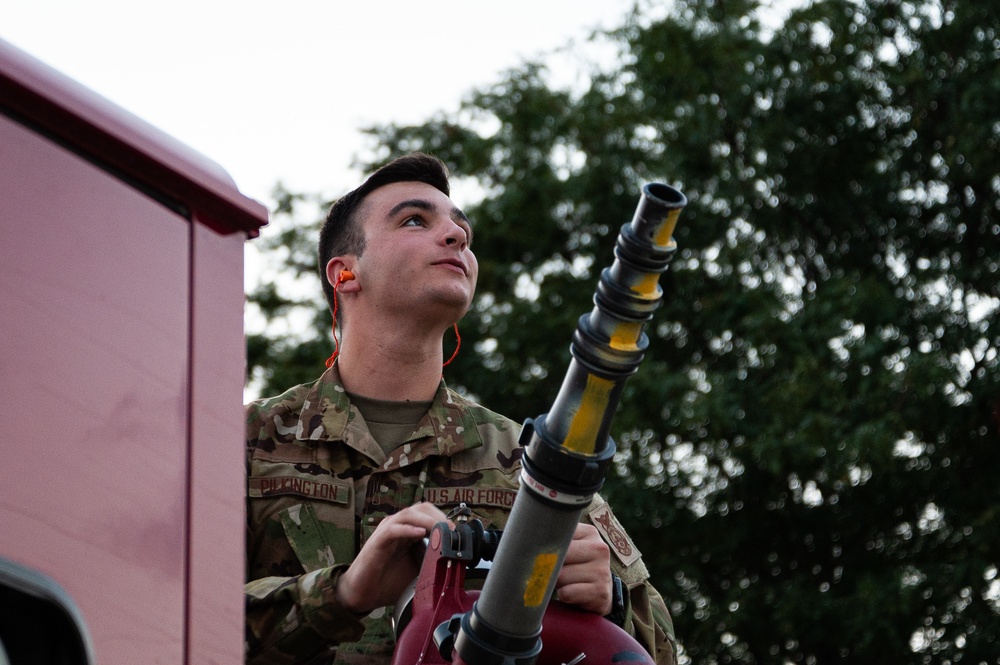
column 348, row 474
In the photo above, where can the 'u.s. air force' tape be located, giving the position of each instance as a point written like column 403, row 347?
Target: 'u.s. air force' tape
column 493, row 497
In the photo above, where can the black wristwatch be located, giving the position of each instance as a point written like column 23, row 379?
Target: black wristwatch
column 617, row 613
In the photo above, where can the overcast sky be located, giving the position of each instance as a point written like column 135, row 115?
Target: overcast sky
column 277, row 90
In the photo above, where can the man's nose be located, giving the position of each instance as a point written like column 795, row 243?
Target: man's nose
column 455, row 234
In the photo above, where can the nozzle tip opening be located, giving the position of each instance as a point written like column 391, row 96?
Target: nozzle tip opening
column 665, row 194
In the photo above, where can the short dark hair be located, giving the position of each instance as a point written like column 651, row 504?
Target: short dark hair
column 341, row 233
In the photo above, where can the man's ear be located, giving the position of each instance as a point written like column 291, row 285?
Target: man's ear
column 341, row 274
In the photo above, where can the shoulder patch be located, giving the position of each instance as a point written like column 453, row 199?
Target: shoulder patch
column 613, row 533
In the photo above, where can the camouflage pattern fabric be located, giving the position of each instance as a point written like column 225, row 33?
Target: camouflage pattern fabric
column 318, row 484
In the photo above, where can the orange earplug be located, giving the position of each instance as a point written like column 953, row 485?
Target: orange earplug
column 344, row 276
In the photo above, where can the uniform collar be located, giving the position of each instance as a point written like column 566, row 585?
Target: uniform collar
column 328, row 415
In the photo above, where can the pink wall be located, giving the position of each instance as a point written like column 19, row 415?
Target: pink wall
column 121, row 366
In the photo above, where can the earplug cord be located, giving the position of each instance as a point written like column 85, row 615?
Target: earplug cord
column 344, row 276
column 458, row 345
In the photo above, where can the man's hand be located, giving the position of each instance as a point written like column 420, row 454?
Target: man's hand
column 389, row 560
column 585, row 578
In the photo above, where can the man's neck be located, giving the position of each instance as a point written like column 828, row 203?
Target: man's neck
column 391, row 365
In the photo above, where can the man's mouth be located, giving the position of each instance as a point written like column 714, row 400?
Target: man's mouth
column 454, row 263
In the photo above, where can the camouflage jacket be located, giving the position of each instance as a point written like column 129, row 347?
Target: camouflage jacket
column 318, row 485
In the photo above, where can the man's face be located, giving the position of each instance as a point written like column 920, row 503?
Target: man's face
column 417, row 251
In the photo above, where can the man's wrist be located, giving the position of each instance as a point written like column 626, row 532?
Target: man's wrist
column 345, row 602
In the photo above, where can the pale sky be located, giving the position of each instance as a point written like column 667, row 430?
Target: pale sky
column 277, row 90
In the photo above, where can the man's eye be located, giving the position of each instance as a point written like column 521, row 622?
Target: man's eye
column 415, row 220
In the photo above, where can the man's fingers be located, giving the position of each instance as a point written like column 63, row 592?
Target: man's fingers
column 401, row 532
column 425, row 515
column 585, row 578
column 390, row 558
column 587, row 546
column 586, row 596
column 575, row 573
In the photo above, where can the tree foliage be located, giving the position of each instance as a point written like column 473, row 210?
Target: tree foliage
column 806, row 454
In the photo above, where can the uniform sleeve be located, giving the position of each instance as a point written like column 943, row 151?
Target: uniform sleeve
column 647, row 618
column 289, row 619
column 649, row 622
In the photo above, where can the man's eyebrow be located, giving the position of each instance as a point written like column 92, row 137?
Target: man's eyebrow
column 424, row 204
column 421, row 204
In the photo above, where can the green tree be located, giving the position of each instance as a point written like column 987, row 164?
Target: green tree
column 806, row 455
column 288, row 317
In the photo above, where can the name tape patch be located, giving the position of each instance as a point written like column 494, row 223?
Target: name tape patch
column 325, row 490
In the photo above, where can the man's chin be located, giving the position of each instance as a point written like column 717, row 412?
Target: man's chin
column 451, row 308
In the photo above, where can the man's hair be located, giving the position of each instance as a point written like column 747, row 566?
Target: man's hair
column 342, row 233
